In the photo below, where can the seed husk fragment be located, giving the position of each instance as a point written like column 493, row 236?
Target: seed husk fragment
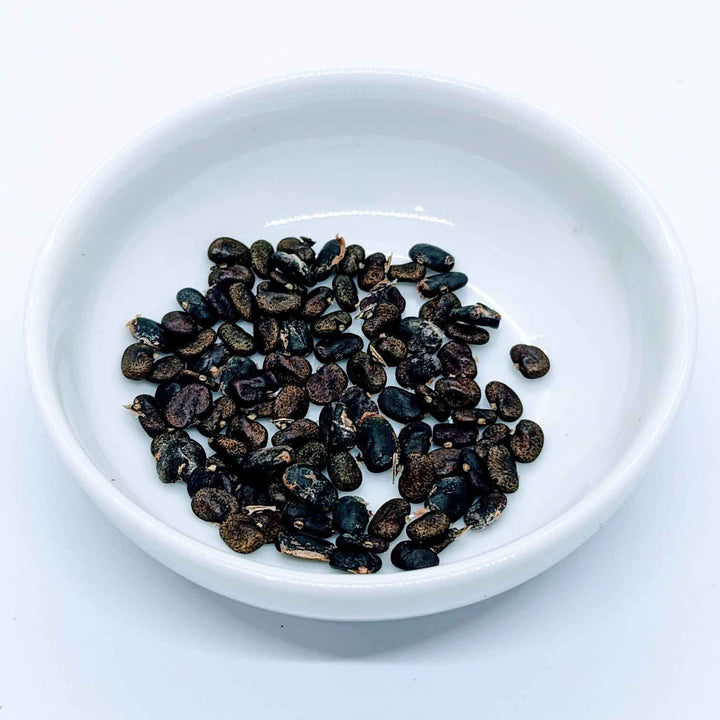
column 346, row 294
column 485, row 510
column 299, row 517
column 408, row 555
column 351, row 515
column 327, row 384
column 400, row 405
column 366, row 372
column 389, row 520
column 148, row 414
column 428, row 527
column 304, row 546
column 477, row 314
column 344, row 471
column 531, row 361
column 417, row 478
column 373, row 271
column 260, row 253
column 193, row 302
column 388, row 350
column 432, row 257
column 501, row 468
column 228, row 250
column 352, row 261
column 414, row 438
column 338, row 348
column 213, row 505
column 438, row 309
column 451, row 495
column 361, row 542
column 317, row 302
column 355, row 562
column 202, row 342
column 241, row 534
column 504, row 400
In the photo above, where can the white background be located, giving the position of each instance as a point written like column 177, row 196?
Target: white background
column 627, row 627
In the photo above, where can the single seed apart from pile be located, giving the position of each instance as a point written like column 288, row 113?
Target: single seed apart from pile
column 443, row 282
column 428, row 527
column 526, row 442
column 531, row 361
column 407, row 555
column 466, row 333
column 432, row 257
column 477, row 314
column 240, row 534
column 213, row 505
column 357, row 563
column 504, row 400
column 389, row 520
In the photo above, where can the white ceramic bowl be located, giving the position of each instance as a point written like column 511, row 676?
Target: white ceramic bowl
column 552, row 232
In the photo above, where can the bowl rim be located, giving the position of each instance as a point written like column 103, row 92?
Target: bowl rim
column 559, row 536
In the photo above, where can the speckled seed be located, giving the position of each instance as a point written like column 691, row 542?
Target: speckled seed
column 241, row 534
column 457, row 360
column 451, row 495
column 357, row 403
column 474, row 470
column 389, row 351
column 268, row 520
column 450, row 435
column 352, row 261
column 150, row 333
column 428, row 527
column 338, row 348
column 276, row 303
column 361, row 541
column 400, row 405
column 279, row 283
column 166, row 369
column 417, row 478
column 255, row 389
column 310, row 486
column 459, row 393
column 260, row 253
column 485, row 510
column 526, row 442
column 531, row 361
column 278, row 496
column 299, row 517
column 291, row 402
column 179, row 326
column 377, row 442
column 193, row 302
column 384, row 293
column 251, row 432
column 504, row 400
column 243, row 301
column 366, row 372
column 227, row 447
column 414, row 438
column 268, row 459
column 211, row 362
column 187, row 405
column 178, row 457
column 219, row 274
column 432, row 402
column 492, row 435
column 314, row 454
column 477, row 314
column 344, row 471
column 145, row 407
column 501, row 468
column 228, row 250
column 295, row 432
column 357, row 563
column 219, row 300
column 213, row 505
column 432, row 257
column 160, row 442
column 328, row 258
column 336, row 428
column 317, row 302
column 137, row 361
column 446, row 462
column 447, row 539
column 466, row 333
column 236, row 339
column 219, row 478
column 378, row 319
column 292, row 267
column 351, row 515
column 408, row 555
column 417, row 370
column 474, row 416
column 236, row 368
column 443, row 282
column 327, row 384
column 304, row 546
column 346, row 294
column 438, row 309
column 389, row 520
column 332, row 324
column 420, row 336
column 267, row 335
column 288, row 369
column 293, row 244
column 204, row 340
column 406, row 272
column 295, row 337
column 373, row 271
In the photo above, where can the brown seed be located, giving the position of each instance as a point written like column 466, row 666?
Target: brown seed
column 231, row 274
column 187, row 405
column 327, row 384
column 228, row 447
column 459, row 393
column 250, row 432
column 346, row 294
column 313, row 453
column 389, row 520
column 428, row 527
column 288, row 369
column 485, row 510
column 373, row 271
column 213, row 505
column 165, row 369
column 531, row 361
column 332, row 324
column 440, row 543
column 446, row 462
column 527, row 440
column 502, row 469
column 344, row 471
column 228, row 250
column 260, row 253
column 317, row 302
column 149, row 415
column 295, row 432
column 203, row 341
column 275, row 303
column 366, row 372
column 432, row 402
column 474, row 416
column 388, row 350
column 438, row 309
column 268, row 521
column 496, row 434
column 504, row 400
column 235, row 339
column 222, row 412
column 137, row 361
column 466, row 333
column 406, row 272
column 417, row 478
column 457, row 360
column 267, row 335
column 352, row 261
column 291, row 402
column 243, row 301
column 179, row 326
column 241, row 534
column 379, row 318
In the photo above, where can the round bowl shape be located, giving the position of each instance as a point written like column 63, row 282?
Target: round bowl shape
column 553, row 233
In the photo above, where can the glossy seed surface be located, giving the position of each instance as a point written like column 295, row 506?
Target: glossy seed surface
column 477, row 314
column 355, row 562
column 432, row 257
column 408, row 555
column 504, row 400
column 351, row 515
column 400, row 405
column 441, row 283
column 531, row 361
column 485, row 510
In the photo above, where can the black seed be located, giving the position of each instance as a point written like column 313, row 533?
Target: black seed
column 420, row 336
column 137, row 361
column 502, row 469
column 295, row 338
column 193, row 302
column 236, row 339
column 485, row 510
column 177, row 457
column 457, row 360
column 407, row 555
column 344, row 471
column 337, row 430
column 526, row 442
column 243, row 301
column 444, row 540
column 295, row 432
column 179, row 326
column 271, row 302
column 458, row 436
column 474, row 470
column 165, row 392
column 304, row 546
column 297, row 516
column 317, row 302
column 189, row 376
column 503, row 400
column 451, row 495
column 251, row 432
column 357, row 403
column 288, row 369
column 400, row 405
column 213, row 505
column 332, row 324
column 314, row 454
column 327, row 384
column 417, row 370
column 428, row 527
column 352, row 261
column 477, row 314
column 474, row 416
column 417, row 478
column 346, row 294
column 249, row 391
column 492, row 435
column 227, row 447
column 237, row 368
column 388, row 350
column 291, row 402
column 407, row 272
column 438, row 309
column 220, row 479
column 414, row 438
column 433, row 257
column 220, row 302
column 149, row 332
column 228, row 250
column 379, row 318
column 260, row 253
column 330, row 255
column 373, row 271
column 377, row 442
column 310, row 486
column 446, row 462
column 166, row 369
column 459, row 393
column 357, row 563
column 211, row 362
column 389, row 520
column 187, row 405
column 351, row 515
column 160, row 442
column 293, row 244
column 366, row 372
column 234, row 274
column 362, row 542
column 531, row 361
column 149, row 415
column 432, row 402
column 204, row 340
column 338, row 348
column 279, row 283
column 466, row 333
column 241, row 534
column 251, row 495
column 267, row 335
column 268, row 519
column 443, row 282
column 292, row 267
column 268, row 459
column 277, row 494
column 382, row 294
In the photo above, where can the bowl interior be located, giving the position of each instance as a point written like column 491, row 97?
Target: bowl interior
column 539, row 230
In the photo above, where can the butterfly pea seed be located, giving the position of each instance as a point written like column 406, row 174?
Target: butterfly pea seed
column 243, row 301
column 187, row 405
column 420, row 336
column 443, row 541
column 485, row 510
column 235, row 339
column 328, row 258
column 388, row 522
column 228, row 250
column 408, row 555
column 332, row 324
column 477, row 314
column 251, row 432
column 433, row 285
column 288, row 369
column 366, row 372
column 406, row 272
column 291, row 402
column 389, row 351
column 295, row 432
column 310, row 486
column 317, row 302
column 378, row 318
column 229, row 275
column 474, row 469
column 531, row 361
column 451, row 495
column 278, row 303
column 383, row 293
column 260, row 253
column 428, row 527
column 268, row 459
column 344, row 471
column 304, row 546
column 267, row 520
column 466, row 333
column 178, row 457
column 502, row 469
column 474, row 416
column 299, row 517
column 352, row 261
column 351, row 515
column 417, row 478
column 313, row 453
column 432, row 402
column 373, row 271
column 357, row 403
column 456, row 360
column 252, row 494
column 327, row 384
column 459, row 393
column 400, row 405
column 504, row 401
column 377, row 441
column 417, row 370
column 438, row 309
column 338, row 348
column 454, row 436
column 293, row 244
column 292, row 267
column 526, row 441
column 266, row 332
column 345, row 292
column 445, row 461
column 295, row 337
column 241, row 534
column 202, row 342
column 355, row 562
column 414, row 438
column 194, row 303
column 213, row 505
column 149, row 332
column 145, row 407
column 432, row 257
column 362, row 542
column 336, row 428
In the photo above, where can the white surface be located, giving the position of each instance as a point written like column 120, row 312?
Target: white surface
column 557, row 238
column 626, row 627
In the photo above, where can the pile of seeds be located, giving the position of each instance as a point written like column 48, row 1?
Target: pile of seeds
column 294, row 491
